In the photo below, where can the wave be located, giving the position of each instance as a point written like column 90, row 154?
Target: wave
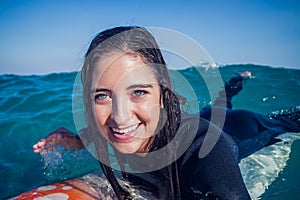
column 31, row 106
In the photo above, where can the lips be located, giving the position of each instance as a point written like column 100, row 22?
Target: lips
column 126, row 133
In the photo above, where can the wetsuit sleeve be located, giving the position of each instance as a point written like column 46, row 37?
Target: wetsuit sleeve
column 217, row 174
column 231, row 88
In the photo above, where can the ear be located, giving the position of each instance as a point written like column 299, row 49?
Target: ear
column 161, row 102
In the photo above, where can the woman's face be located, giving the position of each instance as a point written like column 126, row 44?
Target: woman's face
column 127, row 101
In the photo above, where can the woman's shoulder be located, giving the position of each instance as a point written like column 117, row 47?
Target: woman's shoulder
column 193, row 124
column 203, row 136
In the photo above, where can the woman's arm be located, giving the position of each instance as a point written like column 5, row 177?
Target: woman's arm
column 62, row 137
column 232, row 88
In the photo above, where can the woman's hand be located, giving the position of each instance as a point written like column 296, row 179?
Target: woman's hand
column 60, row 136
column 246, row 74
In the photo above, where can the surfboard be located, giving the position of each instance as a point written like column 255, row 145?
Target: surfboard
column 65, row 190
column 88, row 187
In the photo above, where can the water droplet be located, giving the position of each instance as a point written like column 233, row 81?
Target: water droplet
column 265, row 99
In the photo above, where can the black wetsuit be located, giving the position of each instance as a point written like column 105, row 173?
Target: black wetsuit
column 213, row 175
column 217, row 174
column 251, row 131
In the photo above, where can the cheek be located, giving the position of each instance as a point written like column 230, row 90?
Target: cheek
column 155, row 112
column 102, row 114
column 150, row 113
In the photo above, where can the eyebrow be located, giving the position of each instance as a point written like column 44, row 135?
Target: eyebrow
column 128, row 88
column 140, row 86
column 101, row 90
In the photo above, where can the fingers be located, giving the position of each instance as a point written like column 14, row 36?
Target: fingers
column 246, row 73
column 47, row 142
column 60, row 136
column 39, row 146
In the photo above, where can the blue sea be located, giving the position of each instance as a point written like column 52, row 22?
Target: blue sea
column 32, row 106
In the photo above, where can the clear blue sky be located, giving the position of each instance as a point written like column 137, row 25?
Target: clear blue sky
column 51, row 36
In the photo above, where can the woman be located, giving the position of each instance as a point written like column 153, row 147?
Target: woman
column 130, row 106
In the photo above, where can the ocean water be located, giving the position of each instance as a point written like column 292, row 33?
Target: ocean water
column 33, row 106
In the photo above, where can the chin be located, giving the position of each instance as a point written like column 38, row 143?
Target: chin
column 125, row 150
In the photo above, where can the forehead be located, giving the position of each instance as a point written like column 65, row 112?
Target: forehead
column 123, row 69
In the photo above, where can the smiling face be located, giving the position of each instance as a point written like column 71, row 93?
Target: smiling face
column 127, row 102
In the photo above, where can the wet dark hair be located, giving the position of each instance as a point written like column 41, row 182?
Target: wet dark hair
column 136, row 41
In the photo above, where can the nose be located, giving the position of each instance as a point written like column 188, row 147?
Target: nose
column 120, row 110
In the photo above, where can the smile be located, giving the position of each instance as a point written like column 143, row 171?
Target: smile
column 127, row 130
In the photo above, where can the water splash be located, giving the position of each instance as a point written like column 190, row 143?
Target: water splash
column 62, row 164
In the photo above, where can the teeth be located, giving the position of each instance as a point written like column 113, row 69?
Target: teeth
column 124, row 131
